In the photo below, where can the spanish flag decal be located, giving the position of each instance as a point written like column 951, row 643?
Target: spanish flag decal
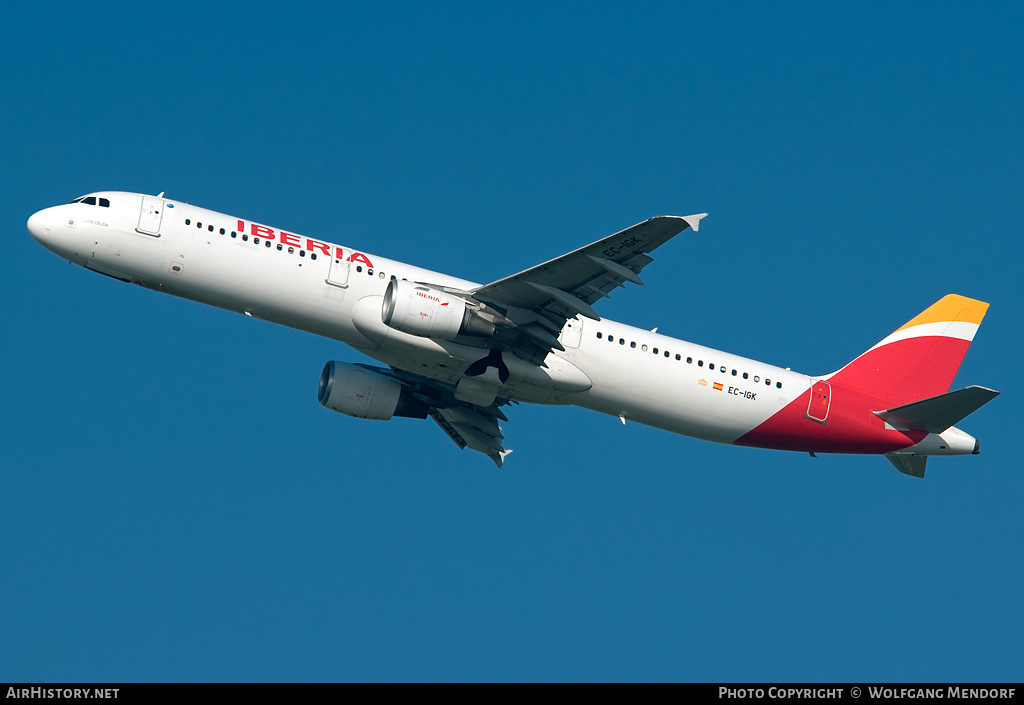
column 718, row 386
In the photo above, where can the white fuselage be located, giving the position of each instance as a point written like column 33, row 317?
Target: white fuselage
column 337, row 292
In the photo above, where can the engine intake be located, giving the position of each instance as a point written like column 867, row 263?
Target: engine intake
column 365, row 393
column 421, row 310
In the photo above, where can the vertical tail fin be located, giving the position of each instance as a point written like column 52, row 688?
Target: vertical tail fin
column 921, row 358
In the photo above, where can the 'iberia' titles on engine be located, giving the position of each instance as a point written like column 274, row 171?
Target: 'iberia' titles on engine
column 421, row 310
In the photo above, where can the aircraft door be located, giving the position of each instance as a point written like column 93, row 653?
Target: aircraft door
column 151, row 215
column 338, row 272
column 571, row 333
column 821, row 400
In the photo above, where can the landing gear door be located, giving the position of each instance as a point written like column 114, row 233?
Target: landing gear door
column 821, row 400
column 151, row 215
column 338, row 273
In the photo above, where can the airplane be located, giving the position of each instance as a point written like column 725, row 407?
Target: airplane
column 460, row 352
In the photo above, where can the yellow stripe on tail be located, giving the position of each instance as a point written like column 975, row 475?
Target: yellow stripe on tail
column 951, row 307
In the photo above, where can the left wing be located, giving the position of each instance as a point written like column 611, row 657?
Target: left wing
column 474, row 426
column 467, row 424
column 539, row 300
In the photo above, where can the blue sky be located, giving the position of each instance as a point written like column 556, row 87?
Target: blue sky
column 177, row 506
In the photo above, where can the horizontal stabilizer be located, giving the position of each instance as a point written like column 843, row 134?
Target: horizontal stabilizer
column 936, row 414
column 909, row 464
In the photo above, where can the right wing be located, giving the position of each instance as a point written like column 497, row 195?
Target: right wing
column 539, row 300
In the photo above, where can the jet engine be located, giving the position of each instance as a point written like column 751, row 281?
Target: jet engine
column 366, row 393
column 421, row 310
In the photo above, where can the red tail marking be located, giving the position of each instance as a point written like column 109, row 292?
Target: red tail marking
column 906, row 370
column 850, row 428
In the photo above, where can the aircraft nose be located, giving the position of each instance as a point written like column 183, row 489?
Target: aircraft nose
column 39, row 225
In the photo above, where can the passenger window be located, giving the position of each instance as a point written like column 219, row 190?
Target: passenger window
column 666, row 354
column 255, row 240
column 622, row 341
column 280, row 247
column 756, row 378
column 222, row 231
column 598, row 335
column 359, row 268
column 745, row 375
column 234, row 234
column 768, row 382
column 689, row 361
column 678, row 356
column 198, row 224
column 302, row 253
column 291, row 250
column 245, row 237
column 700, row 363
column 655, row 351
column 210, row 228
column 632, row 344
column 779, row 385
column 188, row 221
column 380, row 274
column 269, row 243
column 312, row 255
column 370, row 272
column 105, row 202
column 644, row 348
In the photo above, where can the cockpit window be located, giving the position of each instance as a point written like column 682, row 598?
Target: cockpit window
column 91, row 201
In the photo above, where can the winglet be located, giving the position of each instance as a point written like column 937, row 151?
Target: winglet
column 499, row 457
column 694, row 220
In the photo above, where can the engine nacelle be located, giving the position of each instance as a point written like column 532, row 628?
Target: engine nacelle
column 424, row 311
column 365, row 393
